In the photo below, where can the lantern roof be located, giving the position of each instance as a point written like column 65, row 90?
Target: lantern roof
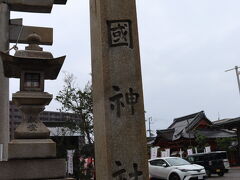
column 33, row 58
column 13, row 66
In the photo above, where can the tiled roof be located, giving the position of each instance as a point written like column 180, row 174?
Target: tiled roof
column 228, row 123
column 216, row 133
column 183, row 125
column 167, row 134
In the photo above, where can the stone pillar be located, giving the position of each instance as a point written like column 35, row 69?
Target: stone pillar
column 119, row 123
column 4, row 82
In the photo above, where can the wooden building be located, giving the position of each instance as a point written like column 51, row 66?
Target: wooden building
column 182, row 133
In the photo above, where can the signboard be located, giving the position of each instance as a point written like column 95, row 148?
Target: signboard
column 154, row 151
column 181, row 153
column 167, row 152
column 189, row 151
column 70, row 161
column 196, row 150
column 208, row 149
column 163, row 154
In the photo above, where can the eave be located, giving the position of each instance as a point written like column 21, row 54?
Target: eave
column 14, row 66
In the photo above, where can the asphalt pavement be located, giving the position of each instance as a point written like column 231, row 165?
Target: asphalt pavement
column 233, row 174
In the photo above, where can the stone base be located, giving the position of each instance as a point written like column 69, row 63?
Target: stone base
column 33, row 169
column 31, row 98
column 31, row 148
column 35, row 130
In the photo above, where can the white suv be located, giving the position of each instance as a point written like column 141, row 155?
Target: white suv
column 174, row 168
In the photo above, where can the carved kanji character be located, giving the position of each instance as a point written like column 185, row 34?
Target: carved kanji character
column 132, row 99
column 116, row 101
column 136, row 173
column 120, row 173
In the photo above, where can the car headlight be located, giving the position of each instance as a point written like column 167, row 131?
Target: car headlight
column 184, row 170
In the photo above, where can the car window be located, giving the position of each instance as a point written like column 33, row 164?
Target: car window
column 207, row 157
column 157, row 162
column 201, row 158
column 177, row 161
column 197, row 158
column 190, row 159
column 219, row 155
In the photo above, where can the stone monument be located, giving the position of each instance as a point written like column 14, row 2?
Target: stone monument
column 119, row 123
column 32, row 144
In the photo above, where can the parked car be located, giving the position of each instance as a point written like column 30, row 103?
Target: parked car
column 174, row 168
column 223, row 155
column 213, row 162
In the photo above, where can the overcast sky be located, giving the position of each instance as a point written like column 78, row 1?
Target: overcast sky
column 185, row 46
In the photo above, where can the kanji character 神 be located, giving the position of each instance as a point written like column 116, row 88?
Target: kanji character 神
column 116, row 101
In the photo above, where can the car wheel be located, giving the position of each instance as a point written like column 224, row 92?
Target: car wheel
column 208, row 173
column 174, row 177
column 153, row 178
column 220, row 173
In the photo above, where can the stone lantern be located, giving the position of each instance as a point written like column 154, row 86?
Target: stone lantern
column 33, row 66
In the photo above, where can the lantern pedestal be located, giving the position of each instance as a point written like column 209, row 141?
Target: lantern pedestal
column 31, row 104
column 31, row 98
column 29, row 149
column 29, row 130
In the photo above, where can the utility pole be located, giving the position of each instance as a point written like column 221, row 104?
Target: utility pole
column 237, row 74
column 149, row 126
column 238, row 81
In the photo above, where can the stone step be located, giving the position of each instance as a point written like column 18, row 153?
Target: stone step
column 33, row 169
